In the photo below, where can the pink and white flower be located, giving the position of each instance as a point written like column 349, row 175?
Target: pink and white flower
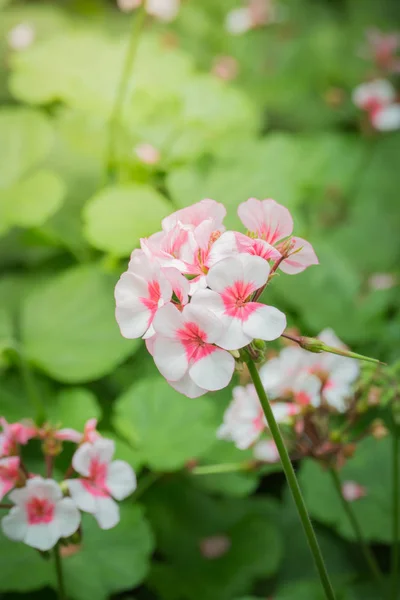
column 41, row 516
column 90, row 433
column 383, row 48
column 9, row 474
column 139, row 293
column 21, row 36
column 233, row 282
column 352, row 491
column 165, row 10
column 103, row 479
column 196, row 214
column 244, row 419
column 269, row 221
column 378, row 99
column 14, row 435
column 185, row 348
column 266, row 451
column 147, row 154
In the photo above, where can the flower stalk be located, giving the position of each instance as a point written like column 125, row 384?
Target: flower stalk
column 293, row 483
column 59, row 573
column 396, row 519
column 365, row 549
column 116, row 113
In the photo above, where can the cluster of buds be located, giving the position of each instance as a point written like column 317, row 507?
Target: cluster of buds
column 165, row 10
column 192, row 290
column 44, row 511
column 315, row 397
column 254, row 14
column 378, row 97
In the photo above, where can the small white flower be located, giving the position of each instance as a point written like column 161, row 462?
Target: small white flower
column 21, row 36
column 103, row 480
column 266, row 451
column 239, row 21
column 352, row 491
column 244, row 419
column 166, row 10
column 41, row 516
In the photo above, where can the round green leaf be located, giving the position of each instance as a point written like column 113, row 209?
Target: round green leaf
column 373, row 511
column 110, row 561
column 23, row 569
column 117, row 217
column 26, row 137
column 164, row 426
column 68, row 326
column 73, row 407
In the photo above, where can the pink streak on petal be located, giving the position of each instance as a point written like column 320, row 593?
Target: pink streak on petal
column 39, row 510
column 194, row 341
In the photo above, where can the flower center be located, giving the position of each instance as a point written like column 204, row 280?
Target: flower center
column 39, row 510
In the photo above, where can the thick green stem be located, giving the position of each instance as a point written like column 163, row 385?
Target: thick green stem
column 293, row 483
column 116, row 113
column 59, row 573
column 223, row 468
column 368, row 555
column 396, row 520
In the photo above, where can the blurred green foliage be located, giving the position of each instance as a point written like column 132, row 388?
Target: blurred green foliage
column 284, row 128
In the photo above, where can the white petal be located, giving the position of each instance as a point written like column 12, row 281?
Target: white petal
column 129, row 288
column 213, row 372
column 67, row 516
column 133, row 321
column 300, row 260
column 207, row 321
column 121, row 479
column 265, row 323
column 168, row 320
column 107, row 513
column 225, row 273
column 387, row 119
column 266, row 451
column 43, row 536
column 255, row 269
column 14, row 525
column 187, row 386
column 82, row 458
column 224, row 247
column 233, row 336
column 80, row 495
column 170, row 358
column 210, row 300
column 103, row 449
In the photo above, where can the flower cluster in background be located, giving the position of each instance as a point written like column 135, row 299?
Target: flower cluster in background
column 192, row 290
column 378, row 97
column 252, row 15
column 165, row 10
column 312, row 396
column 45, row 510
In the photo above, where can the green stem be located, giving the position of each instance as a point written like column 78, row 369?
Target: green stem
column 293, row 483
column 396, row 520
column 116, row 113
column 59, row 573
column 145, row 482
column 30, row 386
column 223, row 468
column 368, row 555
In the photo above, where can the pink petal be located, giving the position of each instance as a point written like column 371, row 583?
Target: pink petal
column 297, row 262
column 224, row 274
column 206, row 320
column 213, row 372
column 195, row 214
column 69, row 435
column 265, row 322
column 170, row 358
column 268, row 219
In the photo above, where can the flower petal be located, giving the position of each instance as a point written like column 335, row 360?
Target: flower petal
column 265, row 322
column 107, row 513
column 187, row 386
column 43, row 536
column 121, row 479
column 233, row 337
column 205, row 319
column 168, row 320
column 170, row 358
column 14, row 525
column 83, row 499
column 214, row 371
column 224, row 274
column 67, row 516
column 255, row 270
column 297, row 262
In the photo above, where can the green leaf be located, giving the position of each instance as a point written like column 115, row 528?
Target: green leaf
column 23, row 569
column 110, row 561
column 185, row 519
column 68, row 326
column 163, row 425
column 26, row 137
column 373, row 511
column 31, row 201
column 117, row 217
column 72, row 407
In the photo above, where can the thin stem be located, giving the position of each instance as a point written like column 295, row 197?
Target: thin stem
column 293, row 483
column 59, row 573
column 368, row 555
column 396, row 520
column 116, row 113
column 223, row 468
column 6, row 506
column 30, row 386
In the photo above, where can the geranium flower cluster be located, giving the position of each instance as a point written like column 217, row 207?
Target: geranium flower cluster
column 165, row 10
column 43, row 510
column 378, row 97
column 304, row 389
column 192, row 290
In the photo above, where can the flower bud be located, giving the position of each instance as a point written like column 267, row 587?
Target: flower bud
column 259, row 344
column 378, row 429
